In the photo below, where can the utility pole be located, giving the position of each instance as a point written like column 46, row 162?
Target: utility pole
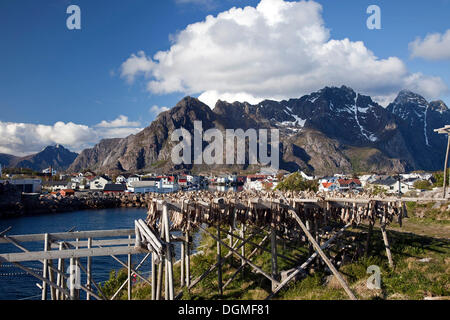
column 445, row 130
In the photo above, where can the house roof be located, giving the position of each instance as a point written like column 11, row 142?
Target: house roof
column 115, row 187
column 55, row 183
column 142, row 184
column 327, row 184
column 348, row 181
column 386, row 181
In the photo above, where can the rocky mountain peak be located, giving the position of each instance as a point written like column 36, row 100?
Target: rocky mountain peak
column 438, row 106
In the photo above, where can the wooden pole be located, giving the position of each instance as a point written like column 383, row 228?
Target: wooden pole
column 45, row 268
column 219, row 257
column 169, row 263
column 445, row 167
column 182, row 264
column 59, row 278
column 188, row 260
column 77, row 263
column 386, row 244
column 153, row 277
column 369, row 238
column 273, row 244
column 129, row 274
column 188, row 251
column 243, row 247
column 72, row 279
column 89, row 270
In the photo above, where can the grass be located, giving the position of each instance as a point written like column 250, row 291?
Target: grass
column 422, row 266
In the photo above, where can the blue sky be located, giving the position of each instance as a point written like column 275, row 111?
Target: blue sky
column 50, row 74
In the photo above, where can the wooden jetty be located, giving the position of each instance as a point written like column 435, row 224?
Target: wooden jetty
column 274, row 216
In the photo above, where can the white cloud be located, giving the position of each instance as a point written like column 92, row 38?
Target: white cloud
column 277, row 50
column 121, row 121
column 135, row 65
column 435, row 46
column 156, row 110
column 25, row 138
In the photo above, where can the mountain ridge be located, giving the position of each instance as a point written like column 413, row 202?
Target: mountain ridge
column 58, row 157
column 354, row 134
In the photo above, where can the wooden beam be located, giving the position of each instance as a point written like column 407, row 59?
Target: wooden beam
column 71, row 235
column 67, row 254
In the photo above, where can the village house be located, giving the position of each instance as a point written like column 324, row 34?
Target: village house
column 392, row 185
column 26, row 185
column 114, row 188
column 133, row 178
column 67, row 192
column 143, row 186
column 327, row 187
column 99, row 183
column 54, row 186
column 348, row 184
column 123, row 178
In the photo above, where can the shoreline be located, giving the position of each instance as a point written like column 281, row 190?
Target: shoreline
column 31, row 205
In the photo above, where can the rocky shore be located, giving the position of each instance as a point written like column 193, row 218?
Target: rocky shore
column 13, row 203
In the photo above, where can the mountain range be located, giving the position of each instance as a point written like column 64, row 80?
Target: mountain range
column 333, row 130
column 56, row 156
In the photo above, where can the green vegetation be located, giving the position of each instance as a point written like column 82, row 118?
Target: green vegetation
column 429, row 213
column 295, row 182
column 377, row 190
column 110, row 287
column 423, row 185
column 438, row 178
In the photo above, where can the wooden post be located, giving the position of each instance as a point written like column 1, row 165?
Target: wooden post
column 219, row 257
column 369, row 238
column 89, row 270
column 188, row 261
column 273, row 244
column 59, row 277
column 153, row 277
column 45, row 268
column 188, row 251
column 308, row 227
column 243, row 247
column 386, row 244
column 129, row 274
column 182, row 264
column 160, row 277
column 72, row 279
column 169, row 264
column 77, row 263
column 160, row 266
column 445, row 167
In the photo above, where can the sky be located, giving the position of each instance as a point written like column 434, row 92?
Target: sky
column 131, row 60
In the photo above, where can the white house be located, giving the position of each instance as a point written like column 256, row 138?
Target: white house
column 99, row 183
column 26, row 185
column 133, row 178
column 121, row 179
